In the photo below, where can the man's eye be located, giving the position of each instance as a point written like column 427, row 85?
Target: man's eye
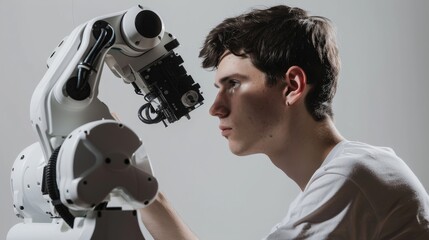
column 233, row 84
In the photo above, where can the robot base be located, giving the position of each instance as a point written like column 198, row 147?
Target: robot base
column 108, row 224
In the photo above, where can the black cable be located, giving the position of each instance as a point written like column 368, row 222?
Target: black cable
column 52, row 187
column 85, row 68
column 148, row 109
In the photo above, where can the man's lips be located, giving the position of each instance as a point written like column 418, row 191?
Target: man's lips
column 225, row 130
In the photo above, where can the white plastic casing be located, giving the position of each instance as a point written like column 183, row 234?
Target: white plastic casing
column 143, row 28
column 26, row 184
column 97, row 158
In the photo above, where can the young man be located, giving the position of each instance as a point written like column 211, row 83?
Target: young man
column 276, row 74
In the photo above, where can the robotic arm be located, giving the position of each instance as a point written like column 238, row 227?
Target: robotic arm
column 87, row 173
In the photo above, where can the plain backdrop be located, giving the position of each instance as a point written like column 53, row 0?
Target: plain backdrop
column 381, row 99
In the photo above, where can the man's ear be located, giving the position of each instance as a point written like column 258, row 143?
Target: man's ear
column 296, row 83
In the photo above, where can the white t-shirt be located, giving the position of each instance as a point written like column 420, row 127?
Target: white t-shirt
column 360, row 192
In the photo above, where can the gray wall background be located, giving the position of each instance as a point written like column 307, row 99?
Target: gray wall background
column 381, row 100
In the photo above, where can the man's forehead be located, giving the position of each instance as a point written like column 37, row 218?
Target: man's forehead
column 226, row 53
column 225, row 68
column 232, row 66
column 229, row 61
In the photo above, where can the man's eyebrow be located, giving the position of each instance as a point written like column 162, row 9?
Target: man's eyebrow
column 228, row 77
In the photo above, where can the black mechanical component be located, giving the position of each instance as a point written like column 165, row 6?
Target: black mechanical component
column 77, row 93
column 171, row 45
column 78, row 87
column 172, row 92
column 148, row 24
column 100, row 28
column 52, row 187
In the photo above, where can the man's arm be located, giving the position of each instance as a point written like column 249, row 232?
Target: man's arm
column 163, row 223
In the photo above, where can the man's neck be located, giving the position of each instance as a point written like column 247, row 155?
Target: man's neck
column 304, row 151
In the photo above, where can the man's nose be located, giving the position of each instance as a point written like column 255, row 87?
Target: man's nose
column 219, row 107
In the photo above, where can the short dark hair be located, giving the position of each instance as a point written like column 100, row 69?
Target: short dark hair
column 277, row 38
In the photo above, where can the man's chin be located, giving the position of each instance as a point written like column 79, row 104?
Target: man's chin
column 239, row 150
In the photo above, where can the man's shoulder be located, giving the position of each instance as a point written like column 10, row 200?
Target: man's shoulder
column 373, row 170
column 370, row 169
column 356, row 158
